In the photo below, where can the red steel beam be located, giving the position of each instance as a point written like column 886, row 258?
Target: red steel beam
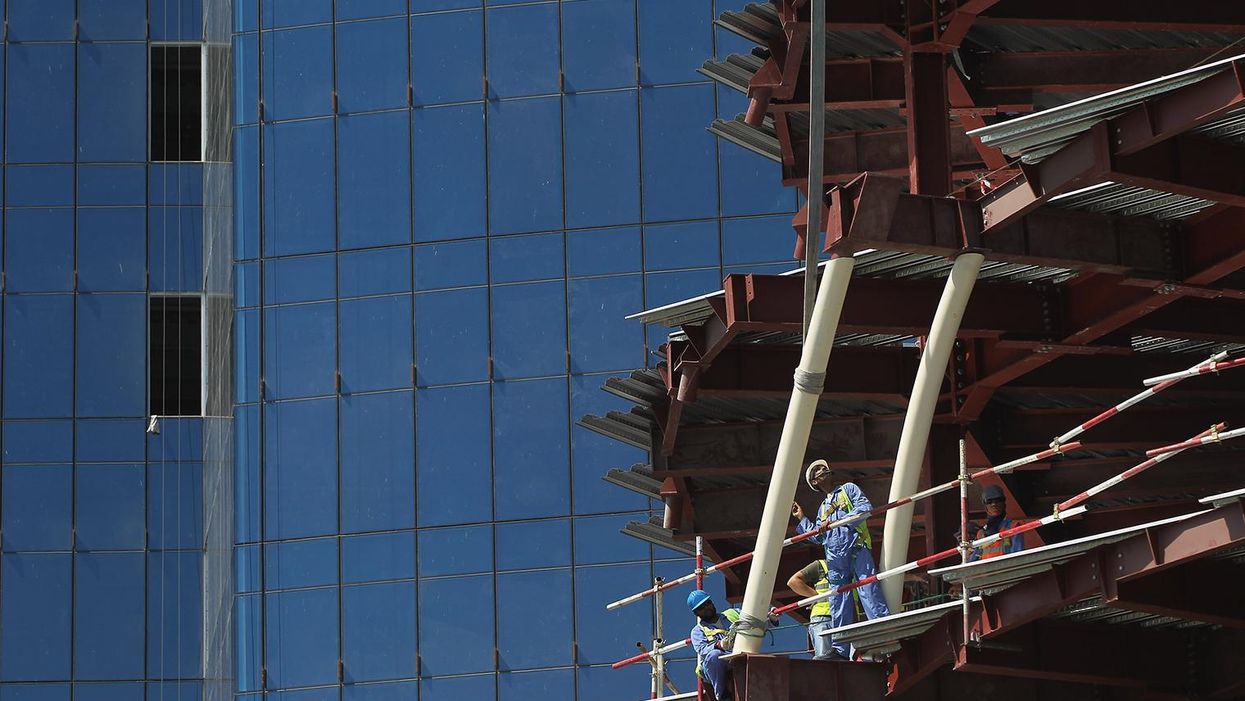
column 1157, row 15
column 1078, row 71
column 929, row 130
column 1206, row 591
column 884, row 151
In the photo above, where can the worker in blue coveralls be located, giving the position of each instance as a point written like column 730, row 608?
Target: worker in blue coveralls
column 711, row 640
column 848, row 554
column 996, row 520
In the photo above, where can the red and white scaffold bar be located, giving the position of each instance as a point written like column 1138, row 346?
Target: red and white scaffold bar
column 1164, row 382
column 1213, row 437
column 848, row 520
column 1214, row 366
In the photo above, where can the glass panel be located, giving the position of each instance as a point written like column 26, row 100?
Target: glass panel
column 529, row 330
column 591, row 452
column 762, row 240
column 675, row 39
column 456, row 634
column 752, row 184
column 117, row 691
column 112, row 89
column 37, row 507
column 451, row 337
column 38, row 250
column 246, row 568
column 532, row 544
column 368, row 558
column 301, row 638
column 371, row 65
column 603, row 636
column 181, row 21
column 358, row 9
column 602, row 160
column 523, row 50
column 300, row 489
column 112, row 353
column 525, row 193
column 449, row 182
column 38, row 441
column 603, row 339
column 303, row 279
column 35, row 605
column 603, row 251
column 300, row 563
column 246, row 356
column 40, row 79
column 549, row 685
column 179, row 438
column 460, row 417
column 378, row 631
column 40, row 20
column 298, row 73
column 605, row 684
column 246, row 193
column 175, row 183
column 246, row 470
column 298, row 185
column 174, row 504
column 108, row 616
column 402, row 691
column 680, row 161
column 285, row 13
column 522, row 258
column 245, row 82
column 375, row 342
column 531, row 474
column 463, row 550
column 34, row 692
column 39, row 186
column 174, row 604
column 175, row 245
column 111, row 185
column 38, row 363
column 598, row 44
column 112, row 249
column 479, row 688
column 362, row 273
column 423, row 5
column 377, row 462
column 374, row 175
column 447, row 57
column 301, row 343
column 110, row 507
column 248, row 646
column 101, row 20
column 598, row 541
column 451, row 264
column 687, row 245
column 109, row 440
column 548, row 592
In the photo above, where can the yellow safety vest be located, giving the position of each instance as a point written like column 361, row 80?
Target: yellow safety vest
column 842, row 502
column 821, row 608
column 713, row 632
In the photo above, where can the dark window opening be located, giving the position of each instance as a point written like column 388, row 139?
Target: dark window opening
column 176, row 354
column 176, row 103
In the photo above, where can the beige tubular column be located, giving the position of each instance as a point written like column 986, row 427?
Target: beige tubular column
column 920, row 415
column 809, row 378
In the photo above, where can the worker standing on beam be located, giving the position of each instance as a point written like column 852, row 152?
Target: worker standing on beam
column 996, row 520
column 848, row 554
column 811, row 581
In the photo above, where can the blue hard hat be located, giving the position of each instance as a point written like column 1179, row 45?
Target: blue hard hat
column 697, row 598
column 991, row 491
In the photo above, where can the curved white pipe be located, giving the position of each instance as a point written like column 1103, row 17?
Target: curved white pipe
column 920, row 415
column 814, row 356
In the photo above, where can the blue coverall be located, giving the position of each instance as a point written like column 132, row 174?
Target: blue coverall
column 847, row 558
column 1007, row 546
column 712, row 667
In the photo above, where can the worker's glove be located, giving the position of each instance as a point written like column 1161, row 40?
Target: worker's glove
column 773, row 617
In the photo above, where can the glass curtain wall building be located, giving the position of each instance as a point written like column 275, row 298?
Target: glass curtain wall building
column 101, row 521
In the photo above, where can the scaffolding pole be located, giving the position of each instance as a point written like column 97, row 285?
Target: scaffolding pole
column 700, row 584
column 965, row 548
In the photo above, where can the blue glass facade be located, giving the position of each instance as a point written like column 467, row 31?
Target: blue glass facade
column 101, row 523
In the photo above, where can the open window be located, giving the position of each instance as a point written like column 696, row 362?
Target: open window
column 176, row 357
column 176, row 115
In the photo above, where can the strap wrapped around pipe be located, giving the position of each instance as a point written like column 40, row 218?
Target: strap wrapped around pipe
column 809, row 382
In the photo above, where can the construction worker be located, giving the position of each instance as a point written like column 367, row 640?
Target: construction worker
column 810, row 581
column 711, row 640
column 996, row 520
column 848, row 554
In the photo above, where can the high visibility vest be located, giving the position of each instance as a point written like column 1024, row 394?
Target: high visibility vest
column 821, row 608
column 713, row 633
column 1002, row 546
column 841, row 502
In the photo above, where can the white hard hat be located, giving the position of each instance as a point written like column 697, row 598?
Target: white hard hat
column 815, row 467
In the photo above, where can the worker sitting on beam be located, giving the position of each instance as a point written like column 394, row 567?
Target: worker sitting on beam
column 711, row 638
column 848, row 554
